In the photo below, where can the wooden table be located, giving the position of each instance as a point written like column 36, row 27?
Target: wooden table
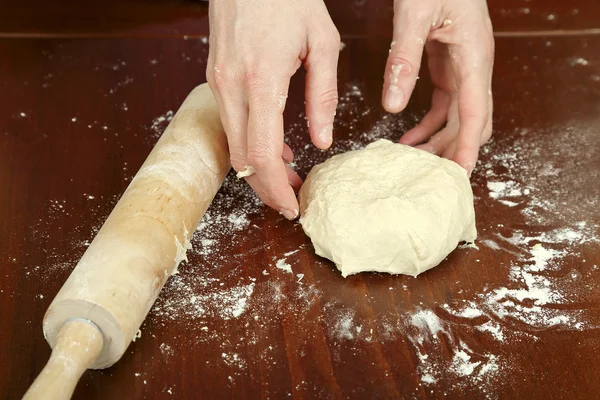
column 85, row 91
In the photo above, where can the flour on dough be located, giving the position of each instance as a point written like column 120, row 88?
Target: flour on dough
column 388, row 208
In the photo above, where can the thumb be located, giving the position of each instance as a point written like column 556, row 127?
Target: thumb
column 411, row 28
column 321, row 88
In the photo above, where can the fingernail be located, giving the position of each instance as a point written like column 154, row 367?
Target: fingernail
column 289, row 214
column 326, row 133
column 394, row 98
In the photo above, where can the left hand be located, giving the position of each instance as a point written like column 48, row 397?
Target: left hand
column 458, row 38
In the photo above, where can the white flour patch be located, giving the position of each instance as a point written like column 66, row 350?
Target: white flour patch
column 462, row 365
column 428, row 324
column 344, row 326
column 214, row 301
column 434, row 364
column 236, row 301
column 504, row 189
column 541, row 257
column 471, row 311
column 493, row 328
column 509, row 203
column 282, row 265
column 491, row 244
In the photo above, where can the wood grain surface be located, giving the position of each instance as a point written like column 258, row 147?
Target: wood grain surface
column 83, row 100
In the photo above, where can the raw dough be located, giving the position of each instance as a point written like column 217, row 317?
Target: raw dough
column 388, row 208
column 248, row 171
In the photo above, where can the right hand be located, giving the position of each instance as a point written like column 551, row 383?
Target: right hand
column 255, row 48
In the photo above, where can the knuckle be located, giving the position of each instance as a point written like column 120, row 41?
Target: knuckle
column 220, row 78
column 329, row 43
column 238, row 162
column 334, row 39
column 328, row 97
column 468, row 113
column 398, row 57
column 414, row 11
column 253, row 76
column 488, row 50
column 259, row 158
column 422, row 14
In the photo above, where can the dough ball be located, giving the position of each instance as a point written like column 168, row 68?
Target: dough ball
column 387, row 208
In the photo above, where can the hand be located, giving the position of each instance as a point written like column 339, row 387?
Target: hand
column 255, row 48
column 458, row 37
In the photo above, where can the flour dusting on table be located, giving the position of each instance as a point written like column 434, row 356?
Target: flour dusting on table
column 234, row 276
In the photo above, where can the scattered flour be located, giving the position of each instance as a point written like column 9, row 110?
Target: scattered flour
column 282, row 265
column 216, row 287
column 343, row 326
column 159, row 124
column 509, row 203
column 213, row 301
column 504, row 189
column 234, row 360
column 166, row 350
column 428, row 325
column 578, row 61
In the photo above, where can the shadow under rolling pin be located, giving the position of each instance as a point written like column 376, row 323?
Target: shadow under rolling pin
column 94, row 317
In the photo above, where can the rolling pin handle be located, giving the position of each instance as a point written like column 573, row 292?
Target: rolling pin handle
column 78, row 343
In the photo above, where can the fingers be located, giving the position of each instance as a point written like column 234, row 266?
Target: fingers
column 469, row 126
column 321, row 87
column 411, row 29
column 487, row 131
column 439, row 142
column 267, row 125
column 474, row 105
column 293, row 178
column 473, row 115
column 433, row 121
column 233, row 110
column 288, row 154
column 265, row 148
column 470, row 47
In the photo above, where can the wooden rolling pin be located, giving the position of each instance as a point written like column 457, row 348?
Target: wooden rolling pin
column 101, row 306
